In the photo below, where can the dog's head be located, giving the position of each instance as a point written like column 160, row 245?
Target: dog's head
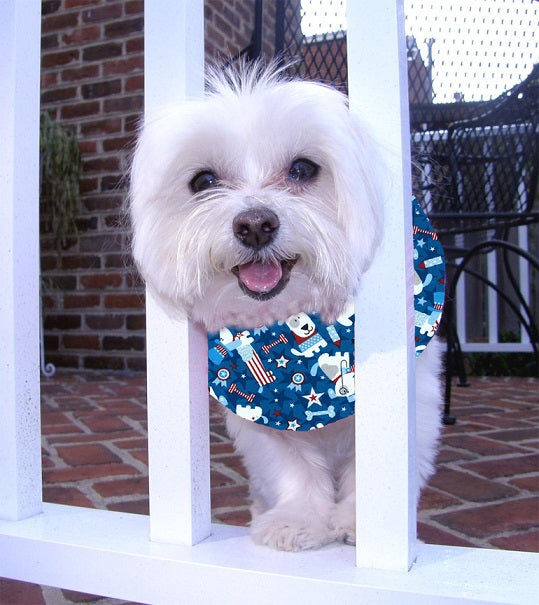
column 254, row 203
column 301, row 324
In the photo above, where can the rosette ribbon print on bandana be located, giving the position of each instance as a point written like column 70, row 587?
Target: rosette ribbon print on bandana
column 298, row 374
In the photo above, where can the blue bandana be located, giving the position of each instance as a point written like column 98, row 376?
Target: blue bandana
column 298, row 374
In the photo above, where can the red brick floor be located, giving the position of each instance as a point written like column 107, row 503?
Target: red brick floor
column 485, row 493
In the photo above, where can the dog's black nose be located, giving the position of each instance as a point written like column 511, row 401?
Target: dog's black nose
column 256, row 227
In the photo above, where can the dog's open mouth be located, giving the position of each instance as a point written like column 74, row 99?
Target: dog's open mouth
column 263, row 281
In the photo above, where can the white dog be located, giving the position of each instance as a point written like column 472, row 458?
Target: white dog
column 249, row 206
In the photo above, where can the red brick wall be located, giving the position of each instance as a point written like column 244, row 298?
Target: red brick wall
column 92, row 81
column 229, row 27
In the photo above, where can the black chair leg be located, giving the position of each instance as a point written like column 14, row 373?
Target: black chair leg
column 454, row 362
column 459, row 359
column 447, row 418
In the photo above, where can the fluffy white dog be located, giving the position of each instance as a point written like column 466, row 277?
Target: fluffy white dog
column 249, row 206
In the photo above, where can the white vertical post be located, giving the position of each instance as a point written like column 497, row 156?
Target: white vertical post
column 20, row 453
column 178, row 426
column 385, row 415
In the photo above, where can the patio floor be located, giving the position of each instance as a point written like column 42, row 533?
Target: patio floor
column 485, row 493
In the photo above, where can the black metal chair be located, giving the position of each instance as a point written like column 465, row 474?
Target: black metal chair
column 484, row 187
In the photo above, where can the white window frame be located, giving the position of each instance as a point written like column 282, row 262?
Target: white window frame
column 167, row 557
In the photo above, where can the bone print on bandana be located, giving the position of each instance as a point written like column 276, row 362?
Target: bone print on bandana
column 298, row 374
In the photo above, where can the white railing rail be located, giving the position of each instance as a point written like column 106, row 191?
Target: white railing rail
column 110, row 553
column 20, row 458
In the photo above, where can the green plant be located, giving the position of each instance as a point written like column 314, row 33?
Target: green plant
column 60, row 170
column 502, row 364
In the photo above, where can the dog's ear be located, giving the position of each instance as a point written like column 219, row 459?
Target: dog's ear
column 361, row 189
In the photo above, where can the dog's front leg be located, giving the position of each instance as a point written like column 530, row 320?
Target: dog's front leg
column 345, row 516
column 291, row 486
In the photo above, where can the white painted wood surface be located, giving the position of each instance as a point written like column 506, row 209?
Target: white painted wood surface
column 109, row 553
column 20, row 438
column 385, row 421
column 178, row 429
column 178, row 423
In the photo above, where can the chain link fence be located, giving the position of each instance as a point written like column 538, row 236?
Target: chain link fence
column 312, row 37
column 464, row 59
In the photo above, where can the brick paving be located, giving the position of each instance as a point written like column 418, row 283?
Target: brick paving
column 485, row 493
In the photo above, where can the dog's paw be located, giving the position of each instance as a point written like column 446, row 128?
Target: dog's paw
column 290, row 531
column 345, row 523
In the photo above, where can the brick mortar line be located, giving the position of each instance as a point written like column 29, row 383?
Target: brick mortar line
column 71, row 414
column 486, row 433
column 469, row 505
column 222, row 441
column 426, row 516
column 55, row 596
column 486, row 457
column 127, row 458
column 52, row 452
column 530, row 446
column 228, row 472
column 75, row 439
column 483, row 542
column 80, row 63
column 219, row 437
column 85, row 486
column 503, row 479
column 514, row 443
column 73, row 420
column 448, row 530
column 89, row 491
column 466, row 505
column 110, row 500
column 452, row 532
column 221, row 510
column 136, row 425
column 100, row 39
column 508, row 533
column 99, row 502
column 525, row 493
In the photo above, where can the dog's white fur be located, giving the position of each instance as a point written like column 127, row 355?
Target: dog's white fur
column 250, row 127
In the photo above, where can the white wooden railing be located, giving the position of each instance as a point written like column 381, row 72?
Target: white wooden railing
column 176, row 555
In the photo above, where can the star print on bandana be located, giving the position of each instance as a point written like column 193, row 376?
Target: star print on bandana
column 313, row 397
column 298, row 374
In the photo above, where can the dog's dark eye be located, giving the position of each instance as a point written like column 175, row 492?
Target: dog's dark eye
column 202, row 181
column 302, row 170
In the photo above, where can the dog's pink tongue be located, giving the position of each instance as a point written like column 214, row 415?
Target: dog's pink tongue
column 260, row 277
